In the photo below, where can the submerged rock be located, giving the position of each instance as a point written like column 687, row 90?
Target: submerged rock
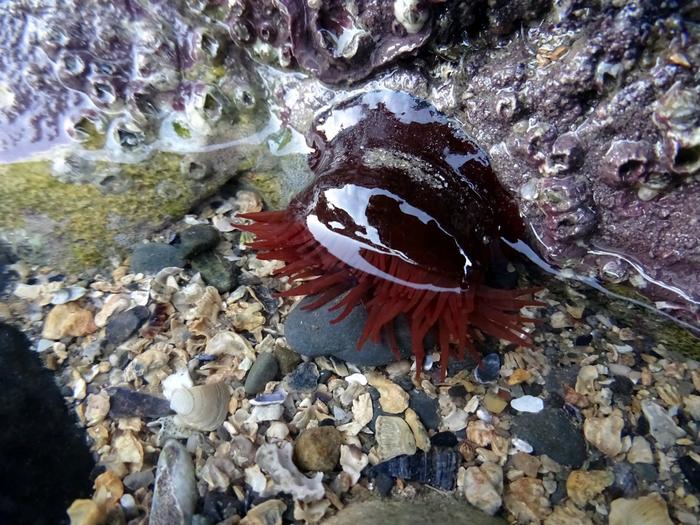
column 175, row 491
column 310, row 333
column 426, row 508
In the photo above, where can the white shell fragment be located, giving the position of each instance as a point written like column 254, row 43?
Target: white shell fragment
column 175, row 381
column 352, row 461
column 530, row 404
column 286, row 477
column 229, row 343
column 394, row 437
column 66, row 295
column 201, row 407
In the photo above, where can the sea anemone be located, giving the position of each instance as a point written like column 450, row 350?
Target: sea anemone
column 404, row 217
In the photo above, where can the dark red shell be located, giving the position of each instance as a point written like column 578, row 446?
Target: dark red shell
column 402, row 216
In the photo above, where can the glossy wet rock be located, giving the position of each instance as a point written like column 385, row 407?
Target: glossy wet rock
column 123, row 325
column 551, row 432
column 153, row 257
column 310, row 333
column 264, row 369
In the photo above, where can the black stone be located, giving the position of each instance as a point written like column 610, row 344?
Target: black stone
column 426, row 407
column 583, row 340
column 123, row 325
column 216, row 271
column 457, row 391
column 219, row 506
column 437, row 468
column 7, row 276
column 691, row 470
column 45, row 463
column 197, row 239
column 551, row 432
column 124, row 402
column 264, row 369
column 153, row 257
column 622, row 385
column 444, row 439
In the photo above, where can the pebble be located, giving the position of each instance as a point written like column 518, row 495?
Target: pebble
column 427, row 408
column 527, row 464
column 264, row 369
column 122, row 325
column 691, row 470
column 304, row 378
column 640, row 451
column 604, row 433
column 153, row 257
column 85, row 512
column 68, row 319
column 318, row 449
column 582, row 486
column 197, row 239
column 529, row 404
column 286, row 358
column 551, row 432
column 266, row 513
column 661, row 426
column 140, row 479
column 495, row 403
column 216, row 271
column 310, row 333
column 483, row 487
column 519, row 375
column 427, row 508
column 488, row 368
column 527, row 499
column 392, row 398
column 394, row 437
column 175, row 490
column 647, row 510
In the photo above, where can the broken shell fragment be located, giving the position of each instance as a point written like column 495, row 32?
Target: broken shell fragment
column 202, row 407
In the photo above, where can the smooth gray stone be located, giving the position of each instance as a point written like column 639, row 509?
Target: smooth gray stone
column 311, row 333
column 216, row 271
column 429, row 508
column 263, row 370
column 551, row 432
column 153, row 257
column 175, row 491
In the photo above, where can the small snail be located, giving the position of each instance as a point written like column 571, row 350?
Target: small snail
column 404, row 216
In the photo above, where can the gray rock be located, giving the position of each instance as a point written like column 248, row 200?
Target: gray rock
column 311, row 333
column 216, row 271
column 287, row 359
column 153, row 257
column 137, row 480
column 551, row 432
column 263, row 370
column 175, row 491
column 197, row 239
column 428, row 508
column 123, row 325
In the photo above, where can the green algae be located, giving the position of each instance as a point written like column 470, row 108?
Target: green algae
column 86, row 222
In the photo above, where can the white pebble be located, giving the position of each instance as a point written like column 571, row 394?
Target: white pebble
column 530, row 404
